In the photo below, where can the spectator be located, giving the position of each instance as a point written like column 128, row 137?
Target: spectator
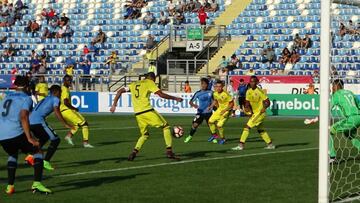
column 181, row 7
column 306, row 42
column 67, row 33
column 46, row 34
column 148, row 20
column 316, row 76
column 214, row 6
column 171, row 8
column 274, row 71
column 223, row 74
column 207, row 5
column 86, row 50
column 41, row 89
column 268, row 55
column 51, row 15
column 223, row 64
column 334, row 72
column 112, row 61
column 35, row 65
column 285, row 56
column 187, row 88
column 150, row 42
column 234, row 63
column 85, row 64
column 202, row 16
column 33, row 55
column 190, row 6
column 10, row 51
column 163, row 20
column 64, row 20
column 211, row 82
column 179, row 18
column 3, row 39
column 19, row 5
column 250, row 72
column 295, row 57
column 342, row 30
column 42, row 67
column 100, row 38
column 70, row 64
column 297, row 41
column 310, row 89
column 152, row 68
column 242, row 88
column 197, row 6
column 35, row 27
column 28, row 26
column 352, row 29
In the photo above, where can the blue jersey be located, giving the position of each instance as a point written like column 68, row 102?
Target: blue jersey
column 10, row 108
column 43, row 109
column 205, row 98
column 242, row 90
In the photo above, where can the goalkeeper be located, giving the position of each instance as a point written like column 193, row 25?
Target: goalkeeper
column 349, row 107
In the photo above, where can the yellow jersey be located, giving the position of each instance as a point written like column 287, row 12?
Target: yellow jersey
column 42, row 88
column 223, row 99
column 256, row 98
column 65, row 94
column 140, row 94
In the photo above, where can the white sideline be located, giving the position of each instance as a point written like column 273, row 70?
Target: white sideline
column 183, row 162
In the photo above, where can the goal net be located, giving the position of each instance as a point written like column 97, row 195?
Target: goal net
column 344, row 139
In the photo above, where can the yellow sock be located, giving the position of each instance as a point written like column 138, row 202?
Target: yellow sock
column 73, row 131
column 142, row 139
column 265, row 137
column 212, row 127
column 167, row 136
column 244, row 135
column 221, row 132
column 85, row 132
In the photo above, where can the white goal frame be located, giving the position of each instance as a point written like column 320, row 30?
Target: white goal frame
column 324, row 124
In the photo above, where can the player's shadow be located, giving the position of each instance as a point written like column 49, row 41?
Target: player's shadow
column 292, row 144
column 112, row 142
column 250, row 139
column 91, row 162
column 91, row 182
column 193, row 155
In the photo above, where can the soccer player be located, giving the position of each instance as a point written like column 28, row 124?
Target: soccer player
column 349, row 106
column 255, row 106
column 41, row 89
column 40, row 128
column 15, row 134
column 71, row 114
column 205, row 99
column 145, row 114
column 242, row 94
column 224, row 103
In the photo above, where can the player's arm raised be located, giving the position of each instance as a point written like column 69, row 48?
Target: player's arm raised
column 117, row 97
column 166, row 96
column 24, row 118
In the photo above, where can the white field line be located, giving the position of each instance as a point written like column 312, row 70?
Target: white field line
column 184, row 162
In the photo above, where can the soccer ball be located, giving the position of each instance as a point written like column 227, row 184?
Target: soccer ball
column 178, row 131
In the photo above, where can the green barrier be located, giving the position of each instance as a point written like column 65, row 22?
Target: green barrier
column 293, row 105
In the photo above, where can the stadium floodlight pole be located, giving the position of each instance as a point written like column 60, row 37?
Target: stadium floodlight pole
column 323, row 186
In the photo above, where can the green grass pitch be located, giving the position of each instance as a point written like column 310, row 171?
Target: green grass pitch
column 207, row 173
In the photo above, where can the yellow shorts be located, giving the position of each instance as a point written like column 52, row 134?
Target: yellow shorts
column 219, row 118
column 73, row 117
column 152, row 119
column 256, row 120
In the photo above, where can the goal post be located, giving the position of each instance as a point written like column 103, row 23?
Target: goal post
column 324, row 122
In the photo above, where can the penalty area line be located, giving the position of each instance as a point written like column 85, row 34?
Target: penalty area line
column 183, row 162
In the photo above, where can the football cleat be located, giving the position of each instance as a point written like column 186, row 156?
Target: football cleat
column 171, row 155
column 48, row 166
column 240, row 147
column 270, row 146
column 222, row 141
column 29, row 159
column 212, row 137
column 10, row 189
column 187, row 139
column 87, row 145
column 38, row 187
column 69, row 140
column 132, row 156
